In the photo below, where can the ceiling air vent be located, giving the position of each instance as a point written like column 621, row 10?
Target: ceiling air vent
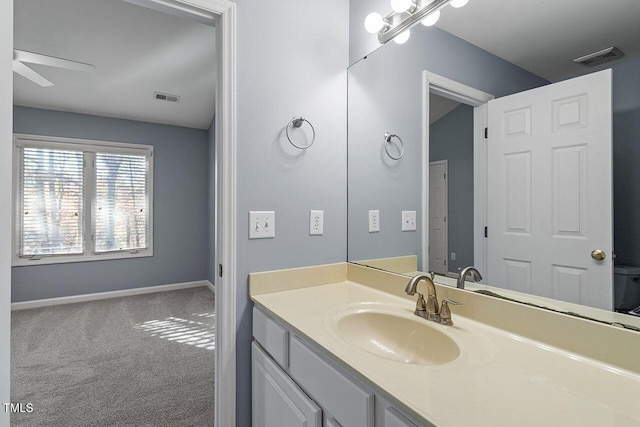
column 599, row 57
column 166, row 97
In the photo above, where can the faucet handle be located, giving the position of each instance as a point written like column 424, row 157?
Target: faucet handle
column 445, row 312
column 432, row 274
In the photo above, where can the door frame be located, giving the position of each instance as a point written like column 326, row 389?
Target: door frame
column 221, row 13
column 6, row 191
column 446, row 201
column 447, row 88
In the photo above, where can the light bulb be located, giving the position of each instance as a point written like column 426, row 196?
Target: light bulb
column 402, row 37
column 431, row 19
column 373, row 22
column 458, row 3
column 400, row 6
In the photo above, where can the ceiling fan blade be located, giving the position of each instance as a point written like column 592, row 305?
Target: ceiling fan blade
column 28, row 73
column 51, row 61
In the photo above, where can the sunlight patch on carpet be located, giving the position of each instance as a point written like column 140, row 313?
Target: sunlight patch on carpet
column 183, row 331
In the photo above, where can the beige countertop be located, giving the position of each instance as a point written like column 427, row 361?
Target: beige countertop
column 499, row 379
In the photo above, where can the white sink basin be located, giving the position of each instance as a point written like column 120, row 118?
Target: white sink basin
column 396, row 336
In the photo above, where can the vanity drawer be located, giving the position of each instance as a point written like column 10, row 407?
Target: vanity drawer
column 273, row 337
column 349, row 403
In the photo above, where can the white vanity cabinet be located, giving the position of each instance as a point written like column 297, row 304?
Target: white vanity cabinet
column 294, row 384
column 277, row 400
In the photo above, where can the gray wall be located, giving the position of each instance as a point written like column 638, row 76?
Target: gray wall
column 626, row 161
column 451, row 139
column 385, row 94
column 292, row 59
column 180, row 209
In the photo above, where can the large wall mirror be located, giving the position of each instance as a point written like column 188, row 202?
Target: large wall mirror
column 430, row 191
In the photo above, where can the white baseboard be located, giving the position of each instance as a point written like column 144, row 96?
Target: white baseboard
column 211, row 286
column 111, row 294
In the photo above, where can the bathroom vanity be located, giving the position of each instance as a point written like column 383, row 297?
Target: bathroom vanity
column 339, row 345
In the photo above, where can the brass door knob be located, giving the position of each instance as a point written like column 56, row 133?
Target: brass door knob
column 598, row 254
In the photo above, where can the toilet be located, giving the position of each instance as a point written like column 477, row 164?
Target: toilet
column 626, row 288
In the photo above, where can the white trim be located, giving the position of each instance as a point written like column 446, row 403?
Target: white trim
column 180, row 9
column 480, row 191
column 29, row 140
column 433, row 83
column 225, row 221
column 6, row 190
column 48, row 302
column 457, row 91
column 423, row 261
column 211, row 287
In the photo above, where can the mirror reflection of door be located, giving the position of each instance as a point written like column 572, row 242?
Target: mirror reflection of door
column 536, row 202
column 450, row 198
column 438, row 212
column 550, row 188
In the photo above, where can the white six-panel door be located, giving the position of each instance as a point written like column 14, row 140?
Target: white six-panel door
column 438, row 208
column 550, row 186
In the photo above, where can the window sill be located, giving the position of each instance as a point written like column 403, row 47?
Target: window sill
column 65, row 259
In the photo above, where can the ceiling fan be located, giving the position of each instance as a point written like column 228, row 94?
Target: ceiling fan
column 20, row 57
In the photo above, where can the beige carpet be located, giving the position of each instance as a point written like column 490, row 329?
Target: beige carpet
column 145, row 360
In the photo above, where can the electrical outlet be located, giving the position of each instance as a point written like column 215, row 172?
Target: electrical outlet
column 374, row 221
column 262, row 224
column 453, row 256
column 316, row 223
column 408, row 220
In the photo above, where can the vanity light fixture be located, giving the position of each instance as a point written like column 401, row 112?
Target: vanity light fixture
column 406, row 14
column 400, row 6
column 402, row 37
column 459, row 3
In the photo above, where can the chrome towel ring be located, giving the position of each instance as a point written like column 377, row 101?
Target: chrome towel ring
column 387, row 141
column 297, row 122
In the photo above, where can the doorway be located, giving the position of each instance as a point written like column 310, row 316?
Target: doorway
column 454, row 94
column 222, row 13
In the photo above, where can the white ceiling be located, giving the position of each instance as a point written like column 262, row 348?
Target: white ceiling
column 136, row 51
column 544, row 36
column 439, row 107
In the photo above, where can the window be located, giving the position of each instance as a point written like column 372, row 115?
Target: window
column 78, row 200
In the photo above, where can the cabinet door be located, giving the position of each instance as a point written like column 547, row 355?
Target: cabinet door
column 277, row 400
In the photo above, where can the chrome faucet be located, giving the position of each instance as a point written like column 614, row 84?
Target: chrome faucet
column 475, row 276
column 429, row 309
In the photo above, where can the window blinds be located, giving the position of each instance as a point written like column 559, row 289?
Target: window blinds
column 51, row 195
column 121, row 202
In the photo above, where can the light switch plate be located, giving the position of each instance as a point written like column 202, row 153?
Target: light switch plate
column 408, row 220
column 262, row 224
column 374, row 221
column 316, row 223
